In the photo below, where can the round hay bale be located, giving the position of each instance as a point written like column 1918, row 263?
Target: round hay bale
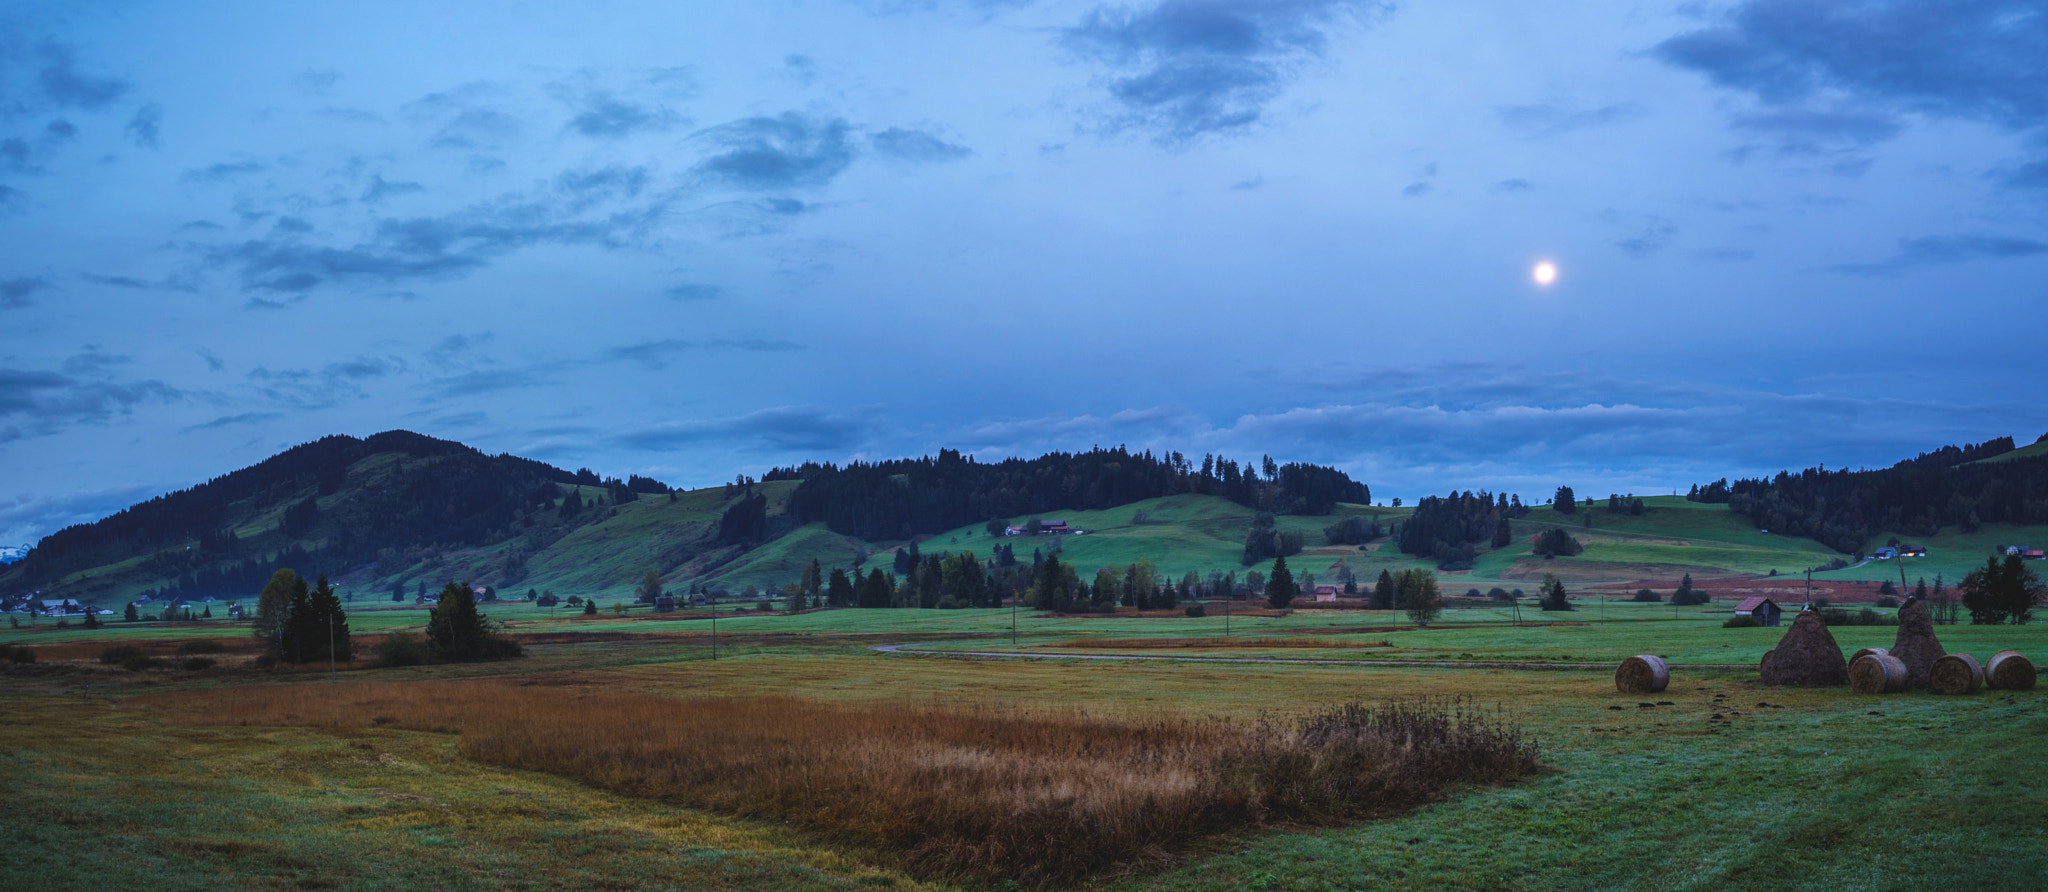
column 1766, row 661
column 1869, row 652
column 2009, row 670
column 1877, row 674
column 1642, row 674
column 1956, row 674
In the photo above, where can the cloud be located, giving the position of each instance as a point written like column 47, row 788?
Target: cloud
column 47, row 402
column 27, row 518
column 693, row 292
column 484, row 381
column 11, row 198
column 1933, row 250
column 810, row 429
column 1510, row 186
column 315, row 82
column 1837, row 76
column 351, row 115
column 425, row 248
column 455, row 347
column 1188, row 69
column 223, row 172
column 381, row 188
column 1731, row 255
column 616, row 182
column 144, row 125
column 1249, row 184
column 915, row 145
column 15, row 293
column 236, row 420
column 213, row 362
column 658, row 354
column 65, row 85
column 1651, row 236
column 782, row 152
column 1417, row 190
column 465, row 118
column 800, row 68
column 172, row 283
column 305, row 389
column 605, row 106
column 1543, row 121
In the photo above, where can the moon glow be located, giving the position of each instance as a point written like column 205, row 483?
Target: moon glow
column 1544, row 273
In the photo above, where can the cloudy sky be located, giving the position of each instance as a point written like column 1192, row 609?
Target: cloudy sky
column 697, row 239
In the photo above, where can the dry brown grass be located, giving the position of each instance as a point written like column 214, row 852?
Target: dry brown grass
column 1199, row 643
column 969, row 793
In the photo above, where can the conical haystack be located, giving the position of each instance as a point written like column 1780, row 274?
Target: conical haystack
column 1806, row 656
column 1917, row 647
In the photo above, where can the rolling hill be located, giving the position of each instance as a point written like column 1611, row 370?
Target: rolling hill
column 397, row 512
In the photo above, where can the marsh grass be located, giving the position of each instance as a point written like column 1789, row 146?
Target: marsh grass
column 976, row 793
column 1239, row 643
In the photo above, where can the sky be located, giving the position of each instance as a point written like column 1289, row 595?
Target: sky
column 695, row 240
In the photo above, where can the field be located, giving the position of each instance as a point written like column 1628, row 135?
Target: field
column 397, row 778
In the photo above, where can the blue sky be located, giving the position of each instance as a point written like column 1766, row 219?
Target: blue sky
column 695, row 240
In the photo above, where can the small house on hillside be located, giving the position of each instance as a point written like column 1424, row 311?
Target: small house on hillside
column 1913, row 550
column 665, row 604
column 1326, row 593
column 1884, row 554
column 1764, row 610
column 1055, row 527
column 59, row 607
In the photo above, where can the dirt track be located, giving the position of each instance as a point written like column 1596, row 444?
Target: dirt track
column 1427, row 664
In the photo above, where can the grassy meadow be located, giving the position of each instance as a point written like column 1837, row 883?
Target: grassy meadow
column 619, row 754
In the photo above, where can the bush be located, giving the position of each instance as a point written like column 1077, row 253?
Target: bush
column 1741, row 622
column 1887, row 602
column 1838, row 616
column 17, row 654
column 765, row 606
column 202, row 646
column 948, row 602
column 265, row 661
column 1196, row 611
column 141, row 662
column 399, row 649
column 1647, row 596
column 115, row 656
column 195, row 664
column 1499, row 594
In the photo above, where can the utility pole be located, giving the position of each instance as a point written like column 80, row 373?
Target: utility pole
column 1227, row 598
column 1013, row 620
column 330, row 645
column 712, row 597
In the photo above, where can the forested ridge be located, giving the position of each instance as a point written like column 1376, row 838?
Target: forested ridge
column 1843, row 509
column 905, row 497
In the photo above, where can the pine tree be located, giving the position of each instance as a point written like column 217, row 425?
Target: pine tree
column 1552, row 594
column 1564, row 502
column 590, row 607
column 1280, row 589
column 839, row 592
column 456, row 631
column 813, row 579
column 326, row 624
column 130, row 615
column 1383, row 592
column 293, row 637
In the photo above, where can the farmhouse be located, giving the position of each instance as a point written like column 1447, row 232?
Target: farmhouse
column 1764, row 610
column 1055, row 527
column 1913, row 550
column 1884, row 554
column 1325, row 593
column 59, row 606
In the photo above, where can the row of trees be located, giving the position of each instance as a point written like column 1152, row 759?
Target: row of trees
column 901, row 498
column 1446, row 528
column 1844, row 509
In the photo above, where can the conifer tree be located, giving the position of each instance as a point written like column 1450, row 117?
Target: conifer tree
column 1280, row 586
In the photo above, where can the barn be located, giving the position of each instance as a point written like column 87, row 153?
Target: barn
column 1764, row 610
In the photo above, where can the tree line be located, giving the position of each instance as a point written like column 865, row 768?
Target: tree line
column 1843, row 509
column 901, row 498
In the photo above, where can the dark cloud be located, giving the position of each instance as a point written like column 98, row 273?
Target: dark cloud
column 236, row 420
column 1836, row 76
column 28, row 518
column 144, row 125
column 800, row 68
column 65, row 85
column 1187, row 69
column 44, row 402
column 424, row 248
column 61, row 130
column 14, row 293
column 811, row 429
column 1417, row 190
column 1933, row 250
column 172, row 283
column 305, row 389
column 91, row 362
column 18, row 156
column 1515, row 185
column 1540, row 121
column 213, row 362
column 658, row 354
column 616, row 182
column 485, row 381
column 381, row 188
column 786, row 151
column 1651, row 235
column 292, row 225
column 223, row 172
column 693, row 292
column 915, row 145
column 11, row 198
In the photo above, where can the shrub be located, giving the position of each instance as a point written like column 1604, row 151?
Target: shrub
column 202, row 646
column 115, row 656
column 1499, row 594
column 765, row 606
column 195, row 664
column 948, row 603
column 399, row 649
column 1647, row 596
column 1196, row 611
column 1741, row 622
column 265, row 661
column 16, row 654
column 1887, row 601
column 141, row 662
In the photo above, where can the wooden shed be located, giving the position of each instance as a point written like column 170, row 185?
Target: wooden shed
column 1764, row 610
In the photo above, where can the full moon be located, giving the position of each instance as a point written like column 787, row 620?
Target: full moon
column 1544, row 273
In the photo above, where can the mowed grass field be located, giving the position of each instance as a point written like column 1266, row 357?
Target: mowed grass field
column 1716, row 783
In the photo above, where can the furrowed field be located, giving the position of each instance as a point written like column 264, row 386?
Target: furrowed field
column 1482, row 753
